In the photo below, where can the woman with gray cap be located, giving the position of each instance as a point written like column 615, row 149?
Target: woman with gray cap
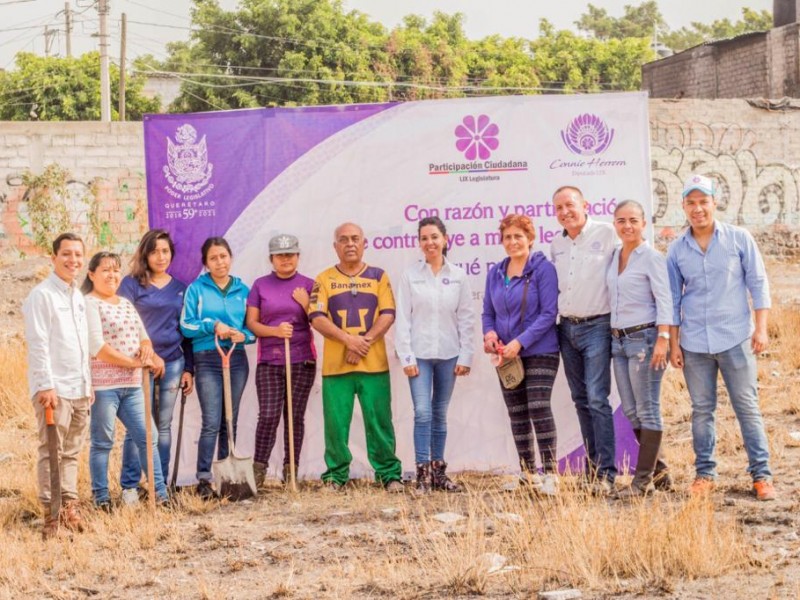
column 276, row 310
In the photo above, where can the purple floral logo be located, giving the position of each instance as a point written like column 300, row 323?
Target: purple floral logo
column 587, row 135
column 477, row 139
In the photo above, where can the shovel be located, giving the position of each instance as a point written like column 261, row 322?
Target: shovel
column 233, row 474
column 174, row 485
column 289, row 421
column 148, row 427
column 55, row 467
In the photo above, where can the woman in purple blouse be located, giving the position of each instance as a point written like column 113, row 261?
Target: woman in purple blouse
column 276, row 310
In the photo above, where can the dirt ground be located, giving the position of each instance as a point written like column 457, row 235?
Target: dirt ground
column 366, row 544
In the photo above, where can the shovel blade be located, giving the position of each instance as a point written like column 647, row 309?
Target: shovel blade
column 234, row 477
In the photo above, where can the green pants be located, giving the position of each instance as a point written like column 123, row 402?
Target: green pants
column 375, row 396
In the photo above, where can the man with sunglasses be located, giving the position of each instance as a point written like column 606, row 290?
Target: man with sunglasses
column 352, row 306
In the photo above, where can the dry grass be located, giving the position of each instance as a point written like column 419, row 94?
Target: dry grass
column 316, row 544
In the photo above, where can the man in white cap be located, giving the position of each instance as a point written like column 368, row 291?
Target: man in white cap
column 713, row 268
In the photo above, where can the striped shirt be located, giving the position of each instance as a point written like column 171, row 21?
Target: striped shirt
column 641, row 293
column 710, row 289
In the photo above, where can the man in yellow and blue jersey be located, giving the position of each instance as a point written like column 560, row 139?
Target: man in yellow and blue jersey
column 352, row 306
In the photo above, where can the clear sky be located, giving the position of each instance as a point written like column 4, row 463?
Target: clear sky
column 152, row 23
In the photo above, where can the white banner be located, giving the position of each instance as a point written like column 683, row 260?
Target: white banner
column 469, row 161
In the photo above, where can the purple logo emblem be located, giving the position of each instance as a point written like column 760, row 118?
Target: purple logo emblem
column 477, row 139
column 445, row 280
column 587, row 135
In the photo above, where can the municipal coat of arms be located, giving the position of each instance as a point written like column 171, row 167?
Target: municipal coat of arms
column 188, row 170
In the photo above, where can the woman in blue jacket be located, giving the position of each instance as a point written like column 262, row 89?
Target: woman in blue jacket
column 519, row 319
column 215, row 305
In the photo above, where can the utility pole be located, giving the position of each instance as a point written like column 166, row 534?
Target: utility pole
column 68, row 28
column 46, row 41
column 105, row 80
column 123, row 37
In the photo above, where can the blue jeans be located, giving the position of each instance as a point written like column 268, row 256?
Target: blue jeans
column 127, row 404
column 208, row 381
column 586, row 351
column 430, row 392
column 168, row 390
column 638, row 383
column 738, row 368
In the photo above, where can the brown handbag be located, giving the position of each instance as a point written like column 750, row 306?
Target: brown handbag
column 512, row 372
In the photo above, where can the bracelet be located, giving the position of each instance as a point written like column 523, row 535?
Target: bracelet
column 664, row 334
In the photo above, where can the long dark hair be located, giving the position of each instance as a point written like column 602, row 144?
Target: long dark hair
column 87, row 286
column 214, row 241
column 139, row 269
column 436, row 222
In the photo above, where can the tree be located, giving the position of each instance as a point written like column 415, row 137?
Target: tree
column 568, row 62
column 721, row 29
column 278, row 52
column 65, row 89
column 637, row 21
column 643, row 20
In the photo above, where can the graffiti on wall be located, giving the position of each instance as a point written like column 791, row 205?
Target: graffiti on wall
column 106, row 213
column 752, row 193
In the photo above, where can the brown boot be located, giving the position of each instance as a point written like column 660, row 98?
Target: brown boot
column 424, row 482
column 260, row 473
column 50, row 527
column 71, row 516
column 439, row 478
column 662, row 480
column 642, row 484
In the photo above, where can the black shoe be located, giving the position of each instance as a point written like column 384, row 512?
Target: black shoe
column 205, row 491
column 105, row 506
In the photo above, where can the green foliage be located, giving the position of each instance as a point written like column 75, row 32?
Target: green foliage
column 640, row 21
column 47, row 212
column 306, row 52
column 572, row 63
column 699, row 33
column 637, row 21
column 64, row 89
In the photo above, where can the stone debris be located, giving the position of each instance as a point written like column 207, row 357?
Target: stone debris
column 448, row 517
column 511, row 517
column 496, row 564
column 571, row 594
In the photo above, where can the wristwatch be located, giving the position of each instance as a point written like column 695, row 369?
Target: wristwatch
column 663, row 334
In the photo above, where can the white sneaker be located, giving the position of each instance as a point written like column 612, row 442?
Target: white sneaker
column 130, row 497
column 549, row 485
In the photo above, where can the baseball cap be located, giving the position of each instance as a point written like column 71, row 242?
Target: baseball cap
column 284, row 244
column 700, row 183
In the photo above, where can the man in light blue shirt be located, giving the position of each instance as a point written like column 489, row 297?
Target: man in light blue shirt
column 713, row 267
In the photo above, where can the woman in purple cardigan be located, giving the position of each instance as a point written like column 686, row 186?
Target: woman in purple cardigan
column 519, row 319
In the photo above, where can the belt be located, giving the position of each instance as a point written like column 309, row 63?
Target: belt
column 618, row 333
column 579, row 320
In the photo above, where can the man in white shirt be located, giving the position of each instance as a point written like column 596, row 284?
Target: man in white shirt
column 582, row 254
column 58, row 374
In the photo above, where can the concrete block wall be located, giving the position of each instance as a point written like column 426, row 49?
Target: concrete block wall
column 754, row 153
column 105, row 162
column 761, row 64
